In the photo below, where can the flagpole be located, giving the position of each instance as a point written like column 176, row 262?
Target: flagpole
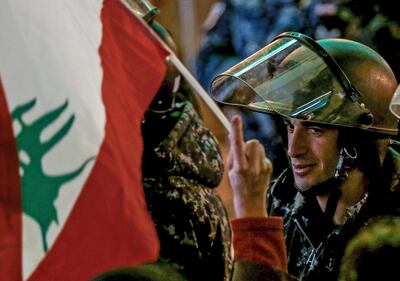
column 200, row 91
column 186, row 74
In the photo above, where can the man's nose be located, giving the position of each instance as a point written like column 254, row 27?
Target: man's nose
column 297, row 142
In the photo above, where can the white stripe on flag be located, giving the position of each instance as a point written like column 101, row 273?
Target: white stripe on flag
column 39, row 40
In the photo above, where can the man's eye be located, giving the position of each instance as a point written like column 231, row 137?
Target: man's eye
column 288, row 125
column 316, row 130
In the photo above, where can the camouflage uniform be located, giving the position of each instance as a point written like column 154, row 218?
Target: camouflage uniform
column 179, row 176
column 315, row 248
column 240, row 28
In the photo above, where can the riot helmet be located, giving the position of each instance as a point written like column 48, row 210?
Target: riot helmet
column 331, row 81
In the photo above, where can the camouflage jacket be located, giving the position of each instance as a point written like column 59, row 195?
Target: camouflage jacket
column 314, row 248
column 179, row 177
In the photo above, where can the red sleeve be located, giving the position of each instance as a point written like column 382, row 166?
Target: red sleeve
column 260, row 240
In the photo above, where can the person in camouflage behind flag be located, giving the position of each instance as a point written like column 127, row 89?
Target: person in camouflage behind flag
column 182, row 165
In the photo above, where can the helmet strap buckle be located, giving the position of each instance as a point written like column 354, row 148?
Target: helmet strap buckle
column 345, row 163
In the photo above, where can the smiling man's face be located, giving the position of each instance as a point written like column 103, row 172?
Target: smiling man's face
column 313, row 151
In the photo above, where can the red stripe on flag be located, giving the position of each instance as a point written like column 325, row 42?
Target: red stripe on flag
column 10, row 199
column 109, row 225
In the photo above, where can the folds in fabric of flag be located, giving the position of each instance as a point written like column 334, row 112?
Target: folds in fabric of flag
column 76, row 78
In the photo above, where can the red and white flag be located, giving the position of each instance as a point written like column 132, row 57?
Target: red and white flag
column 76, row 77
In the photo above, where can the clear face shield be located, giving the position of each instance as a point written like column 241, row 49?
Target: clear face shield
column 395, row 103
column 294, row 77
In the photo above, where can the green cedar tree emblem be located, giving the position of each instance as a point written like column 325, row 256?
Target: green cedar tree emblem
column 40, row 190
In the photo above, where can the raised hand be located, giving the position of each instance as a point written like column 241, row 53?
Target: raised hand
column 249, row 173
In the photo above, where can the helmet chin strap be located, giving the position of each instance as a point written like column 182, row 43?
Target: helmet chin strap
column 331, row 186
column 345, row 163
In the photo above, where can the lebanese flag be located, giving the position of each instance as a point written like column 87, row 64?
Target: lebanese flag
column 76, row 78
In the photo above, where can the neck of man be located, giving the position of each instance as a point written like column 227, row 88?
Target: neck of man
column 352, row 191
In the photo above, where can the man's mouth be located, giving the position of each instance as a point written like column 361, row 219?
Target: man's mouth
column 302, row 169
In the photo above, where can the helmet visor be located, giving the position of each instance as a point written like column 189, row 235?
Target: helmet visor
column 289, row 77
